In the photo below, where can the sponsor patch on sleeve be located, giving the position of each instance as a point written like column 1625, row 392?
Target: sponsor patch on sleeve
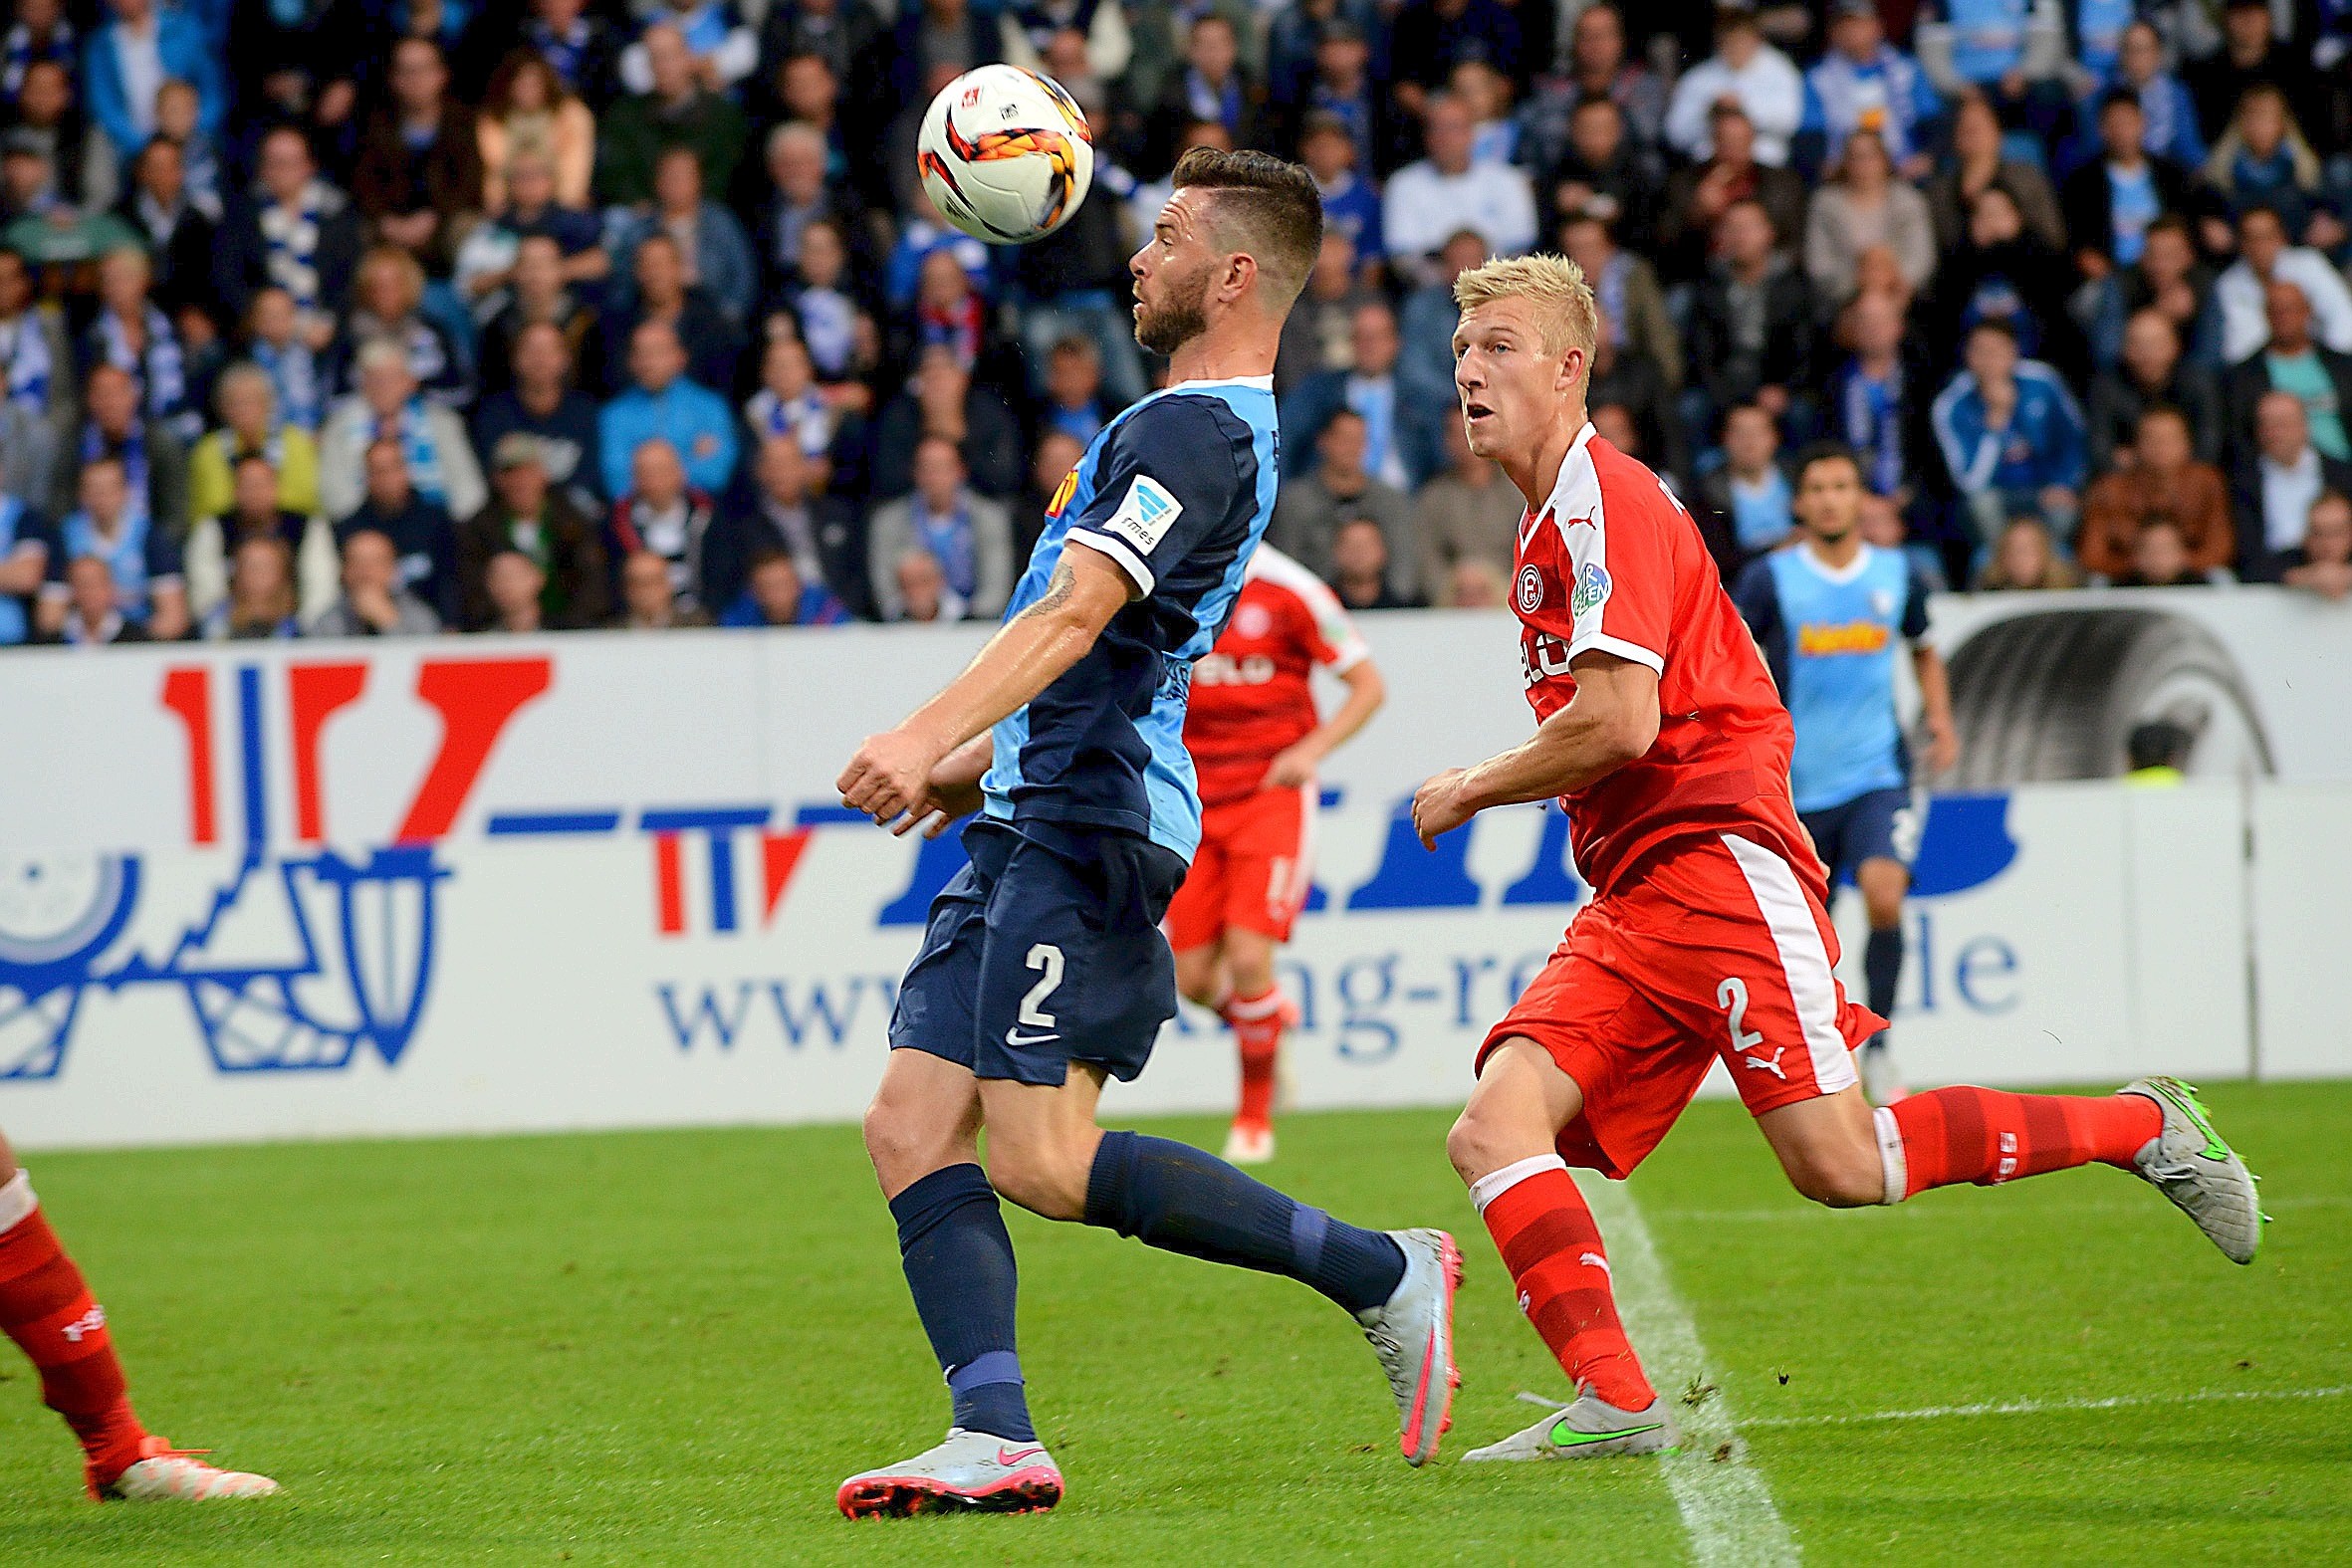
column 1592, row 590
column 1145, row 515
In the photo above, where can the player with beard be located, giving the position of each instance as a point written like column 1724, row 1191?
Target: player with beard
column 1708, row 936
column 1044, row 970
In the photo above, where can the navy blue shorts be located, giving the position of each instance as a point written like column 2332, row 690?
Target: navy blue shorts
column 1044, row 950
column 1880, row 825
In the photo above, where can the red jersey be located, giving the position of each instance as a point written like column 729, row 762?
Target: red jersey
column 1613, row 563
column 1250, row 694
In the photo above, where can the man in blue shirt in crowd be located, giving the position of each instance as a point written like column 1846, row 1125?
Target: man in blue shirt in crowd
column 664, row 405
column 1828, row 612
column 2011, row 435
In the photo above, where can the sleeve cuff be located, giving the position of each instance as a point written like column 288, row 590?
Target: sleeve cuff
column 1599, row 642
column 1348, row 656
column 1137, row 570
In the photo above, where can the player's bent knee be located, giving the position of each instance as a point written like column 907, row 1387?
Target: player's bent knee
column 1482, row 1141
column 1846, row 1179
column 1044, row 1178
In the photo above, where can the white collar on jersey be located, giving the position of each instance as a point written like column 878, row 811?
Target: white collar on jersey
column 1264, row 384
column 1567, row 466
column 1837, row 574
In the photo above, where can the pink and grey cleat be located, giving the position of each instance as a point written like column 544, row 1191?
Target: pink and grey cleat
column 968, row 1473
column 163, row 1474
column 1413, row 1334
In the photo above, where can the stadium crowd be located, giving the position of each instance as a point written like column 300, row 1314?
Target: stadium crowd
column 389, row 317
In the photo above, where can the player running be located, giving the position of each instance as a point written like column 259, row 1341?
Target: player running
column 1256, row 739
column 1827, row 613
column 1707, row 935
column 1044, row 970
column 46, row 1307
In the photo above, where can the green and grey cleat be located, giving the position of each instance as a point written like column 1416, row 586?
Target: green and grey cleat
column 1589, row 1428
column 2189, row 1164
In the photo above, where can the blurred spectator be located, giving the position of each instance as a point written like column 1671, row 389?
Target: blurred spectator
column 423, row 539
column 1751, row 319
column 89, row 611
column 1881, row 526
column 1637, row 390
column 515, row 586
column 1474, row 583
column 1749, row 489
column 948, row 309
column 1864, row 82
column 487, row 260
column 841, row 338
column 536, row 293
column 2160, row 559
column 1075, row 281
column 923, row 593
column 260, row 603
column 1314, row 507
column 2164, row 483
column 1697, row 198
column 783, row 511
column 2251, row 55
column 1877, row 397
column 2276, row 491
column 661, row 295
column 1073, row 389
column 801, row 196
column 38, row 394
column 131, row 54
column 1606, row 175
column 2011, row 437
column 2005, row 272
column 2013, row 52
column 250, row 427
column 2265, row 257
column 1425, row 351
column 662, row 513
column 56, row 160
column 712, row 247
column 541, row 404
column 1054, row 465
column 528, row 516
column 1429, row 201
column 720, row 50
column 582, row 48
column 1212, row 86
column 38, row 32
column 2262, row 160
column 2111, row 200
column 2168, row 115
column 1978, row 163
column 2152, row 375
column 1628, row 291
column 141, row 559
column 1344, row 95
column 374, row 602
column 1429, row 38
column 2155, row 753
column 2170, row 280
column 2322, row 562
column 2024, row 558
column 1469, row 514
column 1400, row 434
column 851, row 40
column 923, row 235
column 420, row 173
column 25, row 545
column 293, row 231
column 941, row 399
column 1865, row 205
column 677, row 108
column 788, row 404
column 154, row 464
column 182, row 236
column 971, row 537
column 387, row 306
column 1361, row 567
column 1351, row 205
column 389, row 407
column 649, row 597
column 2320, row 378
column 660, row 403
column 1746, row 72
column 1319, row 336
column 295, row 59
column 776, row 595
column 254, row 509
column 134, row 337
column 1597, row 67
column 528, row 110
column 274, row 341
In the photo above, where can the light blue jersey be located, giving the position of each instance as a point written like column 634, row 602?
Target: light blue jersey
column 1177, row 490
column 1831, row 638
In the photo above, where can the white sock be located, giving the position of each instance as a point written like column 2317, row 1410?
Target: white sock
column 16, row 1200
column 1890, row 1154
column 1495, row 1184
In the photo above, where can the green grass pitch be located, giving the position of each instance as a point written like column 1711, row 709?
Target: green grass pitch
column 670, row 1347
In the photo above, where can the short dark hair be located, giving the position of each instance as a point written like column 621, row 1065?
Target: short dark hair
column 1266, row 205
column 1827, row 452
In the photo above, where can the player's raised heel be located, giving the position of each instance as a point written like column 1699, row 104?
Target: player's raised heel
column 2189, row 1164
column 1589, row 1428
column 1412, row 1333
column 968, row 1473
column 163, row 1474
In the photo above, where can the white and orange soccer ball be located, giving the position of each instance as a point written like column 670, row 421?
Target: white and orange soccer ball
column 1006, row 154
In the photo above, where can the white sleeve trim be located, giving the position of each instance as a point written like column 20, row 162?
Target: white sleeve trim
column 1129, row 562
column 1602, row 642
column 1346, row 658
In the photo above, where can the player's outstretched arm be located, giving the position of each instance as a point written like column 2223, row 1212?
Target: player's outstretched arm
column 1612, row 720
column 892, row 774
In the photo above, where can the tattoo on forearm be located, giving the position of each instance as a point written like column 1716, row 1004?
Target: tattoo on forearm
column 1058, row 589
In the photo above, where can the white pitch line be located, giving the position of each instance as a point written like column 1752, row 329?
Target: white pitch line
column 2036, row 1407
column 1725, row 1507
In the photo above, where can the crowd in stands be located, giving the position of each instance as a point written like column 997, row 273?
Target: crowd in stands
column 389, row 317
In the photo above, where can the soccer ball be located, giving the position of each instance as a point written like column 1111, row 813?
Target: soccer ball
column 1006, row 154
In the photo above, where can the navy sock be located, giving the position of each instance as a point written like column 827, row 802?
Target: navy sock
column 1882, row 967
column 1171, row 1196
column 959, row 1264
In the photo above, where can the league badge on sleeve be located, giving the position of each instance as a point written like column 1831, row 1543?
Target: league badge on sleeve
column 1592, row 590
column 1145, row 515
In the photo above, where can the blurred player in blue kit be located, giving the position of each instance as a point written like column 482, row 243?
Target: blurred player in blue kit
column 1044, row 970
column 1829, row 611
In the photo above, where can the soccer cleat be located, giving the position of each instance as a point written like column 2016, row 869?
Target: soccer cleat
column 2189, row 1164
column 1247, row 1145
column 1589, row 1428
column 163, row 1474
column 1882, row 1081
column 969, row 1473
column 1413, row 1334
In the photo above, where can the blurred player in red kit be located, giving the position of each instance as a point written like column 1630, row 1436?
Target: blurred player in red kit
column 1256, row 739
column 1708, row 936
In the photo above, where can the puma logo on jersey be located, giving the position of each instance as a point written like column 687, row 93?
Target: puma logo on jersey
column 1773, row 1066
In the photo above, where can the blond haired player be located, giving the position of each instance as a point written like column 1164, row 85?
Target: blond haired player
column 1255, row 738
column 1706, row 937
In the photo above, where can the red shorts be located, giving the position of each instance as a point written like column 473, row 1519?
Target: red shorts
column 1718, row 950
column 1252, row 870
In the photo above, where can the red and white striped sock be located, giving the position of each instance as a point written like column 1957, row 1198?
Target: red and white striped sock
column 1549, row 1241
column 1257, row 1024
column 1943, row 1137
column 46, row 1307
